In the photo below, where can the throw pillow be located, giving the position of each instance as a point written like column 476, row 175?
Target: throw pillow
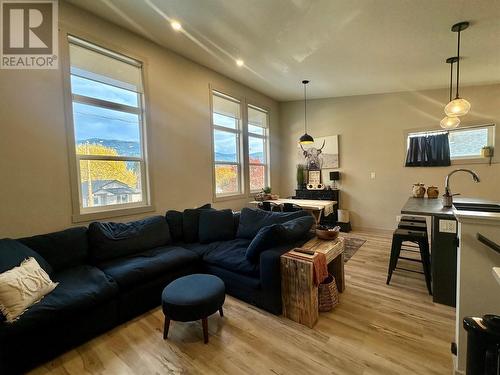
column 13, row 252
column 174, row 220
column 278, row 234
column 216, row 226
column 22, row 287
column 252, row 220
column 114, row 240
column 190, row 222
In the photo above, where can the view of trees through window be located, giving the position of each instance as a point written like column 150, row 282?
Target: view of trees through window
column 107, row 111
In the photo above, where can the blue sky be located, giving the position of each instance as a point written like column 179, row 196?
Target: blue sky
column 96, row 122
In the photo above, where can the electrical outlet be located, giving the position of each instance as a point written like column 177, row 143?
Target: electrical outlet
column 372, row 175
column 447, row 226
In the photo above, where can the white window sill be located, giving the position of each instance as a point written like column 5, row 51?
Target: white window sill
column 479, row 160
column 99, row 215
column 226, row 198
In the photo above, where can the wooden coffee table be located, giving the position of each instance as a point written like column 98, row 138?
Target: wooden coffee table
column 298, row 292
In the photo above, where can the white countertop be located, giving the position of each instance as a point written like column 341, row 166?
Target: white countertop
column 463, row 215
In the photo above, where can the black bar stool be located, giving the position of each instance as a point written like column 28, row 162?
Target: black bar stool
column 420, row 238
column 416, row 219
column 412, row 225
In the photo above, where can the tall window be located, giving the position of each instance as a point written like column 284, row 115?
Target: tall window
column 237, row 138
column 257, row 148
column 226, row 123
column 108, row 120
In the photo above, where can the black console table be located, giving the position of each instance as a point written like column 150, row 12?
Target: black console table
column 324, row 195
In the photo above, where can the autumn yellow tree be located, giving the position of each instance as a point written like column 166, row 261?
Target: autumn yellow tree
column 226, row 178
column 103, row 169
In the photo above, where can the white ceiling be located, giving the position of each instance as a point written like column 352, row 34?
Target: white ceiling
column 351, row 47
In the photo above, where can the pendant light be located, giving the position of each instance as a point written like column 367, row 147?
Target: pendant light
column 450, row 122
column 306, row 139
column 458, row 106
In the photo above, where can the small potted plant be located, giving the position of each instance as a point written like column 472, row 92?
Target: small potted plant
column 265, row 194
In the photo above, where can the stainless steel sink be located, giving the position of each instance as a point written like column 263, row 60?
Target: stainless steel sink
column 480, row 207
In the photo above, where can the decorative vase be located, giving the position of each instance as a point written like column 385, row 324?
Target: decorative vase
column 418, row 190
column 432, row 192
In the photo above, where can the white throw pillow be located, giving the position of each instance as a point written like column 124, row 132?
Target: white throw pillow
column 22, row 287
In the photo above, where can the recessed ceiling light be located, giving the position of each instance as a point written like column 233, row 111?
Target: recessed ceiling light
column 176, row 25
column 240, row 62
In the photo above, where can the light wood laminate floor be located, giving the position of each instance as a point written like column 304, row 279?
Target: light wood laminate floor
column 376, row 329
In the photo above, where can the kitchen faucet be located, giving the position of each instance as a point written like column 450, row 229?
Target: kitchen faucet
column 448, row 196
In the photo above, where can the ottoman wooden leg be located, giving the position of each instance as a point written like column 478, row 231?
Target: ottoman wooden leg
column 165, row 328
column 221, row 312
column 204, row 323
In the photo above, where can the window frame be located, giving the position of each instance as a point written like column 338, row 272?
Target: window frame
column 244, row 177
column 240, row 151
column 266, row 148
column 80, row 213
column 492, row 140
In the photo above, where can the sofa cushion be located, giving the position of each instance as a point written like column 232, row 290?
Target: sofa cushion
column 190, row 222
column 80, row 288
column 230, row 255
column 13, row 253
column 148, row 265
column 216, row 225
column 114, row 240
column 252, row 220
column 174, row 220
column 278, row 234
column 64, row 249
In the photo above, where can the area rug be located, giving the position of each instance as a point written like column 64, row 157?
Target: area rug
column 351, row 245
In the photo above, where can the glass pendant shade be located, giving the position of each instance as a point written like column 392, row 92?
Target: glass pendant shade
column 449, row 122
column 457, row 107
column 306, row 139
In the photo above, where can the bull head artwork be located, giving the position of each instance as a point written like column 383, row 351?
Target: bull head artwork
column 312, row 156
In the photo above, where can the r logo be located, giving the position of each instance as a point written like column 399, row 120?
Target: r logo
column 29, row 28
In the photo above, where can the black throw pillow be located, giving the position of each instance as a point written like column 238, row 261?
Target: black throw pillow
column 12, row 254
column 109, row 240
column 216, row 226
column 174, row 220
column 278, row 234
column 252, row 220
column 190, row 222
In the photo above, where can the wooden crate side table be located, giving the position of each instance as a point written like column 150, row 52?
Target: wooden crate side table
column 334, row 252
column 299, row 294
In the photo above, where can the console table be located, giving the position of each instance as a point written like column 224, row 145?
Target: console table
column 325, row 194
column 298, row 292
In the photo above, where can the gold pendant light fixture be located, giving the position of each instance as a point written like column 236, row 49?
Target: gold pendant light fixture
column 450, row 122
column 306, row 139
column 458, row 106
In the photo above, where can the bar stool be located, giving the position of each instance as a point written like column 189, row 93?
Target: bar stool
column 416, row 219
column 420, row 238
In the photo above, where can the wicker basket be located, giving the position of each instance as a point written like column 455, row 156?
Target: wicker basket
column 328, row 294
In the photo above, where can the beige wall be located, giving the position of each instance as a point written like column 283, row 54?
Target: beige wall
column 35, row 182
column 372, row 139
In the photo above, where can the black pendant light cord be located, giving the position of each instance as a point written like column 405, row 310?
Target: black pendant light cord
column 458, row 62
column 305, row 107
column 451, row 80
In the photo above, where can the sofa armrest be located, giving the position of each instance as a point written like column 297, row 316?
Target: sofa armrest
column 270, row 272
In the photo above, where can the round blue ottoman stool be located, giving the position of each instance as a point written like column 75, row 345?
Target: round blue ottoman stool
column 191, row 298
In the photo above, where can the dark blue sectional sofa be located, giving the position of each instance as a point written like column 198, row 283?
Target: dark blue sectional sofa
column 109, row 273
